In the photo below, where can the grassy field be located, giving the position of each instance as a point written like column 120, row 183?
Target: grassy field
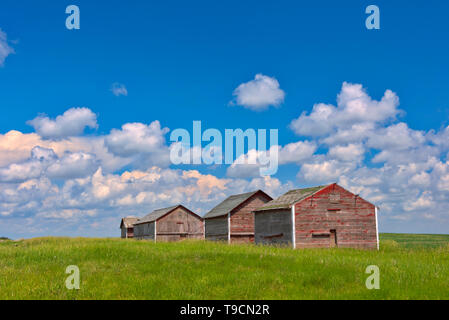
column 417, row 240
column 411, row 267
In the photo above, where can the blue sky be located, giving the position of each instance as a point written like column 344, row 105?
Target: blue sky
column 181, row 61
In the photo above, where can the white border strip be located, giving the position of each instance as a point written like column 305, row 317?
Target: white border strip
column 229, row 228
column 155, row 229
column 293, row 227
column 377, row 228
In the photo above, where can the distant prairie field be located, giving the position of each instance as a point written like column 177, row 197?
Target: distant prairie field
column 411, row 267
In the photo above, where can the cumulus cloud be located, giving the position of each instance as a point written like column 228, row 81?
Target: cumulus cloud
column 249, row 164
column 354, row 108
column 259, row 94
column 297, row 152
column 136, row 138
column 44, row 162
column 324, row 171
column 71, row 123
column 80, row 179
column 5, row 49
column 88, row 181
column 366, row 149
column 349, row 152
column 73, row 165
column 101, row 196
column 119, row 89
column 143, row 144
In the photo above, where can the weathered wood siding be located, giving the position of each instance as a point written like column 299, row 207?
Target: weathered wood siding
column 144, row 231
column 335, row 217
column 242, row 219
column 274, row 227
column 123, row 232
column 178, row 225
column 216, row 229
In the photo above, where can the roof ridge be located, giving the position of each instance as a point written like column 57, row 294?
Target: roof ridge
column 148, row 218
column 321, row 187
column 291, row 197
column 226, row 205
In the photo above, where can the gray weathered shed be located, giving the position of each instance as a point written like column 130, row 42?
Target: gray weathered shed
column 127, row 226
column 233, row 219
column 170, row 224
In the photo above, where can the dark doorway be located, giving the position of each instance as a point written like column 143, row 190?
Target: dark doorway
column 333, row 239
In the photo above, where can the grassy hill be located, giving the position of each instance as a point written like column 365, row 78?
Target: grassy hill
column 411, row 267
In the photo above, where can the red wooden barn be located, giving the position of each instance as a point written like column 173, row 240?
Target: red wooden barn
column 233, row 219
column 323, row 216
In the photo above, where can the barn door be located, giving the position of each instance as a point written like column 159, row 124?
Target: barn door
column 333, row 239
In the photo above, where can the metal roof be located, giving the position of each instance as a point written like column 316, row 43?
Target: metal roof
column 288, row 199
column 156, row 214
column 230, row 204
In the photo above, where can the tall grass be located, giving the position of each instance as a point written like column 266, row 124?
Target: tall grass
column 127, row 269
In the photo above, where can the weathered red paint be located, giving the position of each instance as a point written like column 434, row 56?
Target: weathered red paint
column 352, row 218
column 242, row 218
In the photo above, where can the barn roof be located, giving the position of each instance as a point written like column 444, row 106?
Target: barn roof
column 230, row 204
column 128, row 222
column 288, row 199
column 159, row 213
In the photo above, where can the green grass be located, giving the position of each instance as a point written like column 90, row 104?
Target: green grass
column 127, row 269
column 417, row 240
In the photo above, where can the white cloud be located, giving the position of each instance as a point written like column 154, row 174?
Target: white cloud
column 73, row 165
column 136, row 138
column 71, row 123
column 119, row 89
column 80, row 179
column 18, row 172
column 143, row 144
column 259, row 94
column 45, row 163
column 349, row 152
column 397, row 137
column 364, row 148
column 5, row 49
column 248, row 165
column 323, row 171
column 297, row 152
column 354, row 107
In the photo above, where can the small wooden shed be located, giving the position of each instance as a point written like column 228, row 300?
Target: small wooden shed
column 127, row 227
column 170, row 224
column 233, row 219
column 323, row 216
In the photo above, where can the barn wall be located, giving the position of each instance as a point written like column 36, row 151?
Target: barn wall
column 123, row 229
column 242, row 219
column 274, row 227
column 216, row 229
column 144, row 231
column 179, row 224
column 335, row 208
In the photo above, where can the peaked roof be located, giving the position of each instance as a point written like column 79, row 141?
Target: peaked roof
column 288, row 199
column 230, row 204
column 159, row 213
column 128, row 222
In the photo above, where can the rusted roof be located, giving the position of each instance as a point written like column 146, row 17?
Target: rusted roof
column 128, row 222
column 288, row 199
column 230, row 204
